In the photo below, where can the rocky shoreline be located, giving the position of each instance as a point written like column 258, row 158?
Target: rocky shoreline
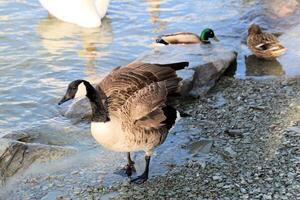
column 255, row 128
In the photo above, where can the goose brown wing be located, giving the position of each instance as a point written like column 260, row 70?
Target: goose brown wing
column 144, row 109
column 123, row 82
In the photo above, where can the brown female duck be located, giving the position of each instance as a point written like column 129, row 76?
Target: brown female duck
column 262, row 44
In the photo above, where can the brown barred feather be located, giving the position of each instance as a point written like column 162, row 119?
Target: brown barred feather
column 136, row 94
column 262, row 44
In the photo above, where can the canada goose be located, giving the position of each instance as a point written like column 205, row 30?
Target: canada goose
column 187, row 38
column 129, row 108
column 262, row 44
column 85, row 13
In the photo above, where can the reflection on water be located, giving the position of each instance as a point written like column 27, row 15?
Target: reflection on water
column 55, row 36
column 260, row 67
column 154, row 11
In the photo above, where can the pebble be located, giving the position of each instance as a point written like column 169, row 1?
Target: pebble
column 267, row 196
column 217, row 178
column 74, row 172
column 243, row 190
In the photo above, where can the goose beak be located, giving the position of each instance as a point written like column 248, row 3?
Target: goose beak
column 216, row 39
column 63, row 100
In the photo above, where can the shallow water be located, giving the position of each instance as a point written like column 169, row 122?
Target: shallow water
column 40, row 55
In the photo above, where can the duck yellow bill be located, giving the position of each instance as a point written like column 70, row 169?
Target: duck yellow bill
column 216, row 39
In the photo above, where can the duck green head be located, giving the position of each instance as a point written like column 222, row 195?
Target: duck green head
column 206, row 34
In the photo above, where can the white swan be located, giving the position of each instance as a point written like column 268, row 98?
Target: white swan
column 85, row 13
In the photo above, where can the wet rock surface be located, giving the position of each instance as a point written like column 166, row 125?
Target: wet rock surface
column 16, row 156
column 254, row 153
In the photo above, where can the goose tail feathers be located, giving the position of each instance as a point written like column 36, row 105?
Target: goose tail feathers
column 172, row 85
column 175, row 66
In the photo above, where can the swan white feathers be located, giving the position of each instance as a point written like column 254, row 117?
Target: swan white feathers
column 85, row 13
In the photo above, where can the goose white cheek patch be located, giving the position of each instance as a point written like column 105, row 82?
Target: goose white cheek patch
column 81, row 91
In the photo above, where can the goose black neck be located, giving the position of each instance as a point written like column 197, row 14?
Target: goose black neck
column 99, row 110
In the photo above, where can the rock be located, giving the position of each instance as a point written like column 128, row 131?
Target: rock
column 243, row 190
column 16, row 156
column 27, row 136
column 234, row 132
column 230, row 151
column 267, row 196
column 218, row 102
column 77, row 110
column 200, row 147
column 108, row 196
column 293, row 131
column 207, row 65
column 217, row 178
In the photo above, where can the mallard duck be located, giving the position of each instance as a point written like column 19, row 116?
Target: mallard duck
column 85, row 13
column 187, row 38
column 262, row 44
column 129, row 108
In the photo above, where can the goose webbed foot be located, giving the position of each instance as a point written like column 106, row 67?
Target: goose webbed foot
column 140, row 179
column 129, row 169
column 144, row 177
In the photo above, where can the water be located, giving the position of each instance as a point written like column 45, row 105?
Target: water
column 40, row 55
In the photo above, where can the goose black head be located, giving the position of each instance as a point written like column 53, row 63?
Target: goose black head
column 206, row 34
column 75, row 89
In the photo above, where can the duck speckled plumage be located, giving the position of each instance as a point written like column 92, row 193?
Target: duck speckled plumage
column 262, row 44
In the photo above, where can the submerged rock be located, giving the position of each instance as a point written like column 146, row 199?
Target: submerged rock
column 16, row 156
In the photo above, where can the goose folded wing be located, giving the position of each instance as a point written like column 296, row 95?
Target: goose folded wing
column 144, row 108
column 123, row 82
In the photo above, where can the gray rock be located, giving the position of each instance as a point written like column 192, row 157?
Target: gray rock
column 293, row 131
column 234, row 132
column 243, row 190
column 207, row 65
column 79, row 109
column 200, row 147
column 16, row 156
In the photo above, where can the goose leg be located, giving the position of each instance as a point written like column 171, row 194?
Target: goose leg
column 142, row 178
column 129, row 168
